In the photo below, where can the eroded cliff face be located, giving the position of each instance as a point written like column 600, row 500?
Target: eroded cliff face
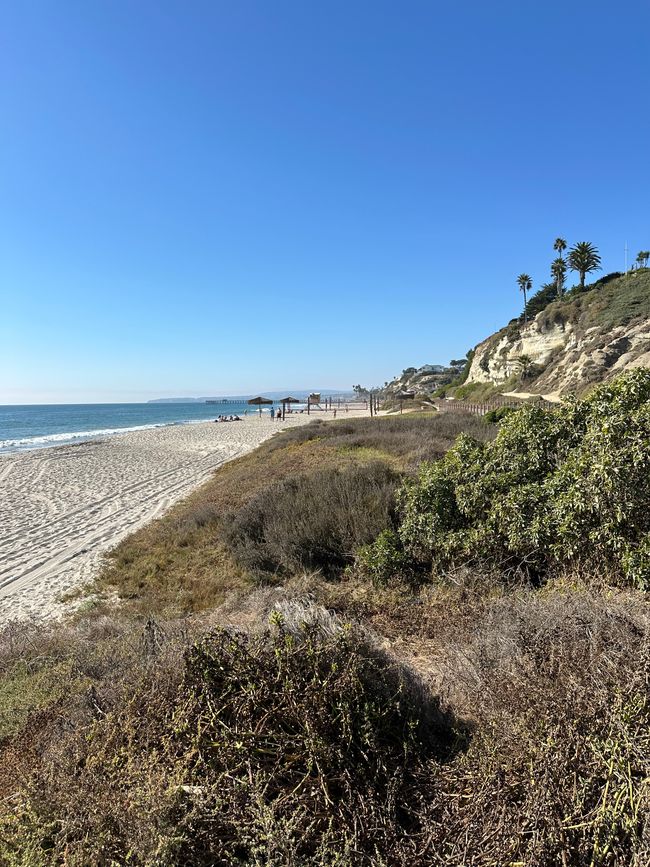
column 505, row 353
column 558, row 357
column 571, row 344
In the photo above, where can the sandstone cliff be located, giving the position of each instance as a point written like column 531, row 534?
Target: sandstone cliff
column 573, row 343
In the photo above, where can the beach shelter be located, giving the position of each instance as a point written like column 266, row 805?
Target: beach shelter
column 402, row 396
column 287, row 400
column 260, row 401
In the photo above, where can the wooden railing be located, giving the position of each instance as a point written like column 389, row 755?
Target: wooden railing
column 483, row 408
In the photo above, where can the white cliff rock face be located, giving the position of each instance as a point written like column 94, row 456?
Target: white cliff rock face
column 564, row 358
column 576, row 341
column 498, row 357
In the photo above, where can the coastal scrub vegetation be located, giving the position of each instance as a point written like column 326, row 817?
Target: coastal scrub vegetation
column 245, row 524
column 476, row 694
column 313, row 521
column 556, row 489
column 500, row 728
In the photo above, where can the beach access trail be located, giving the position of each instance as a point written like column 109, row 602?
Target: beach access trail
column 62, row 508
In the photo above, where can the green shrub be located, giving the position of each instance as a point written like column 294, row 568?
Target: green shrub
column 384, row 559
column 494, row 416
column 555, row 488
column 541, row 299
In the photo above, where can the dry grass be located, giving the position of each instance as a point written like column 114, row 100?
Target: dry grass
column 315, row 521
column 183, row 563
column 302, row 741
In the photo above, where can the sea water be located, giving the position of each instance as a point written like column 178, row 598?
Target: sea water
column 29, row 427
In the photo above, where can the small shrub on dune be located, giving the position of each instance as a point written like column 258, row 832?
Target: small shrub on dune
column 494, row 416
column 384, row 559
column 324, row 731
column 313, row 521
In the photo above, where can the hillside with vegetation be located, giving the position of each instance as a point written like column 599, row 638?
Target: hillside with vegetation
column 585, row 337
column 416, row 640
column 420, row 383
column 564, row 342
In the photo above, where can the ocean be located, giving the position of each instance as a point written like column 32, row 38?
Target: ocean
column 29, row 427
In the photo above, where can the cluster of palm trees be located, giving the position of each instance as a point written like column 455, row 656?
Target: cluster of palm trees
column 642, row 259
column 583, row 258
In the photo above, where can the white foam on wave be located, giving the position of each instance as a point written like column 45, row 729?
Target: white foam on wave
column 66, row 438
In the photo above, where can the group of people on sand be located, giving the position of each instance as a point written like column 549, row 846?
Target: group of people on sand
column 227, row 418
column 278, row 414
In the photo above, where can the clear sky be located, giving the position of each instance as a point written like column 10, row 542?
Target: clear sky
column 227, row 197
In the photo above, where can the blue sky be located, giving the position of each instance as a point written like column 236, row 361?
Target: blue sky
column 227, row 197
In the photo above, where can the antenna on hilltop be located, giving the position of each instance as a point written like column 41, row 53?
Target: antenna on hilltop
column 626, row 258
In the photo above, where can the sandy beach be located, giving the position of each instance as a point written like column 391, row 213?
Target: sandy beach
column 62, row 508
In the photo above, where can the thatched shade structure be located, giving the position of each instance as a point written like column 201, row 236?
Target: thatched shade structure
column 288, row 400
column 402, row 396
column 260, row 401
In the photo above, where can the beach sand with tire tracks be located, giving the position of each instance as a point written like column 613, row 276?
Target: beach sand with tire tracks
column 62, row 508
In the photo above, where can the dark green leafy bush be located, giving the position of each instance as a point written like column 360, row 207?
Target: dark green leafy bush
column 494, row 416
column 541, row 299
column 554, row 489
column 383, row 559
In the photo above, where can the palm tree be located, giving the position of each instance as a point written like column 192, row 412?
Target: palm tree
column 558, row 270
column 525, row 284
column 584, row 258
column 526, row 363
column 642, row 258
column 560, row 246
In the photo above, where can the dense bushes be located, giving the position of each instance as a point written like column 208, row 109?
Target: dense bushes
column 312, row 521
column 554, row 489
column 277, row 747
column 318, row 519
column 311, row 734
column 541, row 299
column 182, row 562
column 303, row 744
